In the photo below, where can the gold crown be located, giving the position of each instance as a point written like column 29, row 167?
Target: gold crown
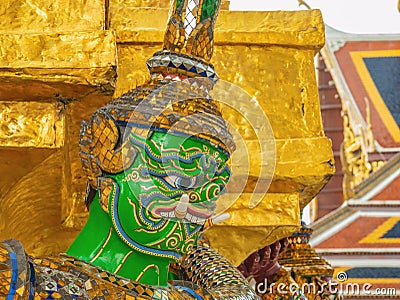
column 175, row 99
column 188, row 41
column 190, row 29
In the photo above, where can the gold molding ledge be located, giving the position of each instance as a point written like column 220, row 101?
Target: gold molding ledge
column 43, row 127
column 44, row 16
column 255, row 227
column 301, row 29
column 79, row 58
column 303, row 166
column 154, row 3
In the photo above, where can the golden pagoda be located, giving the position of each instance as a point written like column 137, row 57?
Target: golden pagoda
column 61, row 60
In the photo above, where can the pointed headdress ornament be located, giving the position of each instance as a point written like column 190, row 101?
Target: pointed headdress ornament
column 176, row 96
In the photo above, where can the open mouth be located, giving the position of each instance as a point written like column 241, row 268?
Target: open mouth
column 183, row 210
column 191, row 214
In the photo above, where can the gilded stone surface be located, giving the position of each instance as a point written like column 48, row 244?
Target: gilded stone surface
column 132, row 70
column 257, row 226
column 63, row 78
column 87, row 58
column 17, row 163
column 42, row 128
column 31, row 210
column 141, row 3
column 285, row 28
column 300, row 29
column 51, row 15
column 153, row 3
column 279, row 78
column 303, row 166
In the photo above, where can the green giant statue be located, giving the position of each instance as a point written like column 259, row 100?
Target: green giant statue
column 156, row 161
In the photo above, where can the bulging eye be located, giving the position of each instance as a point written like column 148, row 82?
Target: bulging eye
column 182, row 183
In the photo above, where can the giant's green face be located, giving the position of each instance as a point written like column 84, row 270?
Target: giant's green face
column 146, row 203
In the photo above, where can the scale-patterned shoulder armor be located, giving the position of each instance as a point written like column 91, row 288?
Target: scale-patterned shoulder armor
column 205, row 267
column 15, row 272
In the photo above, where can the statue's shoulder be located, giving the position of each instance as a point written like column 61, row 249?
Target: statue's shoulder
column 14, row 271
column 55, row 277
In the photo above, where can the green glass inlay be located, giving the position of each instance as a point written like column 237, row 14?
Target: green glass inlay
column 178, row 3
column 208, row 9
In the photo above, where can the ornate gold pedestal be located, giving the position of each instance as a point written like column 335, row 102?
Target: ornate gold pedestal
column 310, row 271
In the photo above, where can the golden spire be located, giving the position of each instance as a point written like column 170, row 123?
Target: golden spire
column 188, row 42
column 190, row 28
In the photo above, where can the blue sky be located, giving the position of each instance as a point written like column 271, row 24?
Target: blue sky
column 354, row 16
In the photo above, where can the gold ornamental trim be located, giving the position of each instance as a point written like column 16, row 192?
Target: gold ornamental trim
column 304, row 29
column 79, row 58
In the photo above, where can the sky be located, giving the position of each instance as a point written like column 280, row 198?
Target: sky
column 352, row 16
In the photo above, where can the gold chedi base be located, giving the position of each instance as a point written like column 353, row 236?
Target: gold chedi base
column 310, row 271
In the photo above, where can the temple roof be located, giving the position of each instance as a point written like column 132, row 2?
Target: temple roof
column 366, row 70
column 362, row 236
column 361, row 240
